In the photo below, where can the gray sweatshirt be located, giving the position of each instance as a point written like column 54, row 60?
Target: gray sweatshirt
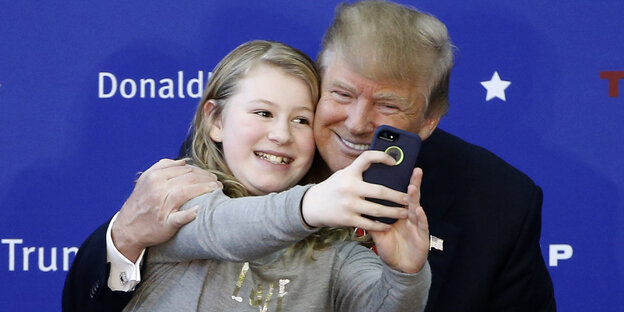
column 242, row 243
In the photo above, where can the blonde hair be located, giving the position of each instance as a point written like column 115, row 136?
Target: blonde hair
column 387, row 41
column 223, row 83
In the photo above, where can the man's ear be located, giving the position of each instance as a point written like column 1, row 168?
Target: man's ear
column 430, row 124
column 216, row 125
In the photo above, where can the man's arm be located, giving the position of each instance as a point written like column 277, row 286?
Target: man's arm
column 150, row 216
column 86, row 282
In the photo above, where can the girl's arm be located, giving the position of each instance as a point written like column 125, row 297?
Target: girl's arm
column 364, row 283
column 236, row 229
column 248, row 228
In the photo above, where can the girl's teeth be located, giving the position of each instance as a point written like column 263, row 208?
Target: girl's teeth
column 274, row 159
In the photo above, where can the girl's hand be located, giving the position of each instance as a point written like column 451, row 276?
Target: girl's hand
column 339, row 200
column 405, row 246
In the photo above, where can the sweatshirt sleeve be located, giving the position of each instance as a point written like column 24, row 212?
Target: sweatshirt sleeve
column 365, row 283
column 236, row 229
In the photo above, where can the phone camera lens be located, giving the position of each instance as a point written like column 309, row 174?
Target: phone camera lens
column 388, row 136
column 395, row 154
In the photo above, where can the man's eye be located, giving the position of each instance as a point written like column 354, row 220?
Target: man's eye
column 341, row 96
column 263, row 113
column 388, row 108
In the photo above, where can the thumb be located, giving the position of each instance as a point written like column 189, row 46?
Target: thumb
column 179, row 218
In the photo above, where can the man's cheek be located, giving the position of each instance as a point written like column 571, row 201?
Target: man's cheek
column 328, row 112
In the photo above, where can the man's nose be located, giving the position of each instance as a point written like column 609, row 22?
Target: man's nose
column 280, row 132
column 360, row 117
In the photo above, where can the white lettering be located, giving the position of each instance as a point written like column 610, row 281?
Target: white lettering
column 558, row 252
column 152, row 84
column 26, row 251
column 122, row 88
column 40, row 251
column 113, row 89
column 12, row 243
column 199, row 82
column 167, row 87
column 52, row 266
column 181, row 84
column 66, row 252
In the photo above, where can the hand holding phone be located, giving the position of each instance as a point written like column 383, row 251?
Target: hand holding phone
column 403, row 146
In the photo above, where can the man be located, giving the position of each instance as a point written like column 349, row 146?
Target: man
column 381, row 63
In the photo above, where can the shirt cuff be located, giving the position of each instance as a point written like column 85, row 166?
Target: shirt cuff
column 124, row 275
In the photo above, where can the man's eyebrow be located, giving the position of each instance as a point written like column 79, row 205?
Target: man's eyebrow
column 391, row 97
column 343, row 85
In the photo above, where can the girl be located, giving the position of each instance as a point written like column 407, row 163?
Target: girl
column 253, row 129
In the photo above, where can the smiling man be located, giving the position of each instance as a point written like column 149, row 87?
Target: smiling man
column 352, row 107
column 384, row 63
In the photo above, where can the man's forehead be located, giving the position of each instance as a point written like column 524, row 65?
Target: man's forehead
column 393, row 91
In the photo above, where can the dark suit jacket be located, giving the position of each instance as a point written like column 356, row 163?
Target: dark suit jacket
column 86, row 282
column 489, row 216
column 487, row 213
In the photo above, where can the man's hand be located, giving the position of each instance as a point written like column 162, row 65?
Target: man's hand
column 406, row 245
column 152, row 215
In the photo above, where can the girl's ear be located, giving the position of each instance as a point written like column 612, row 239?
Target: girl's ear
column 215, row 127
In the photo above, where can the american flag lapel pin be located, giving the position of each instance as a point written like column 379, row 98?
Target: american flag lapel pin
column 436, row 243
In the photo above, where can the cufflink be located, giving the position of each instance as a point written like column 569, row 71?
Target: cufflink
column 123, row 279
column 436, row 243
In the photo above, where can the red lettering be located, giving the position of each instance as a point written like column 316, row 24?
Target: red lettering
column 613, row 77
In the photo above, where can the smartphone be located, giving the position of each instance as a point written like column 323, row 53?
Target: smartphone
column 403, row 146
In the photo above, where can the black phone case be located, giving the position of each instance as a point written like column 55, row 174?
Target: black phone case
column 396, row 177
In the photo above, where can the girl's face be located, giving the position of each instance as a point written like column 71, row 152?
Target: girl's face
column 266, row 130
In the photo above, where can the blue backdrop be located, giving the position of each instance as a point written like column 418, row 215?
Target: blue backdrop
column 77, row 124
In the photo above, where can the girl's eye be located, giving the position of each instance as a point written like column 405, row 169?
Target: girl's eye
column 263, row 113
column 302, row 120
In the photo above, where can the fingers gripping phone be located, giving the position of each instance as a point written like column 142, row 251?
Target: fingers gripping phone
column 403, row 146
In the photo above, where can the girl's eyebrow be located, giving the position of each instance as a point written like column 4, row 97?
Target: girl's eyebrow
column 262, row 101
column 271, row 103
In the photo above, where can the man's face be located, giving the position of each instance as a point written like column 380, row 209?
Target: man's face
column 351, row 107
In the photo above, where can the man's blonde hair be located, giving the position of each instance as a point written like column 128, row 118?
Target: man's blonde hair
column 385, row 41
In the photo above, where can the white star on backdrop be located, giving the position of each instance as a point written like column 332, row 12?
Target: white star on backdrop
column 495, row 87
